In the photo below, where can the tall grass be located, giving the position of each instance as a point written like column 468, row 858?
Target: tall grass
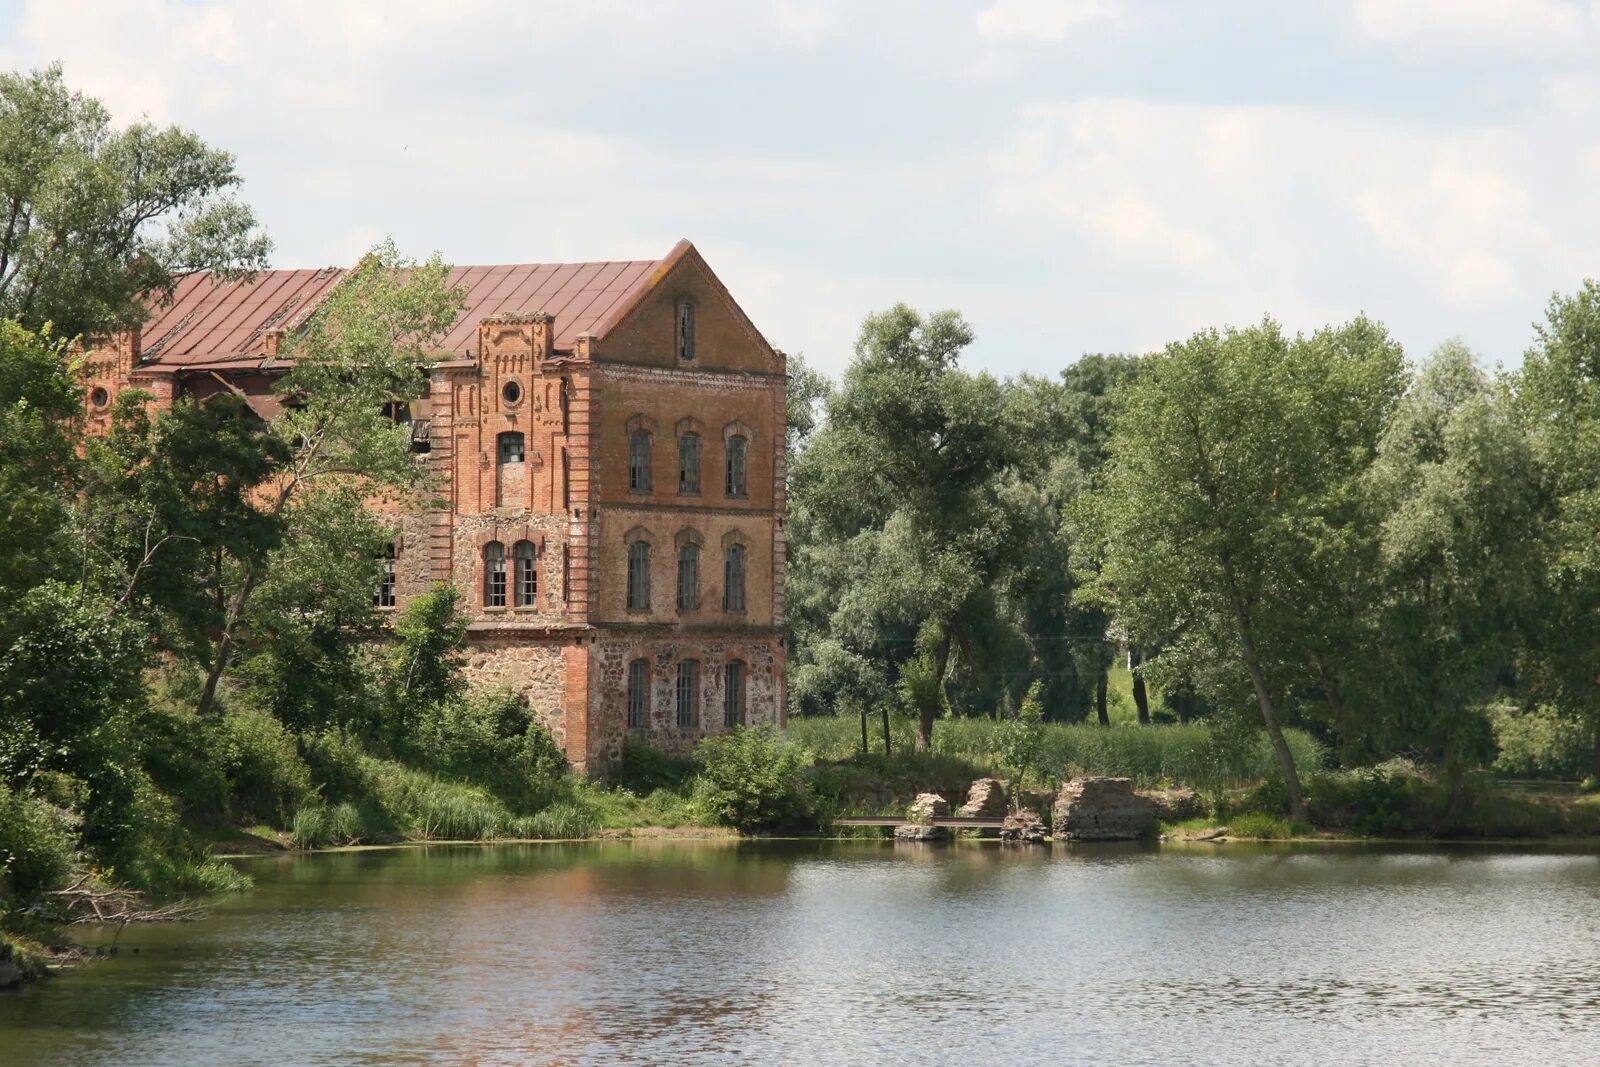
column 1150, row 754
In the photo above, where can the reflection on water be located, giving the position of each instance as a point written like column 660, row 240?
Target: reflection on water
column 852, row 953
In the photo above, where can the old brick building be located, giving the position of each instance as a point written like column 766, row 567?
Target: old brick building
column 609, row 444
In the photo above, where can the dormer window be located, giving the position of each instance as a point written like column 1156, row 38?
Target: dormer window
column 685, row 331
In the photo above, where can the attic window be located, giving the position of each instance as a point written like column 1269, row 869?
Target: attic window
column 685, row 330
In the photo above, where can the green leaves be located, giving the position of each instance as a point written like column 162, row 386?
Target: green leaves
column 93, row 219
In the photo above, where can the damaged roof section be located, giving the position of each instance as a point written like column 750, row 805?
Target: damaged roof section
column 238, row 323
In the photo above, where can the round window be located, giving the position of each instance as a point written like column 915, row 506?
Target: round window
column 512, row 392
column 99, row 397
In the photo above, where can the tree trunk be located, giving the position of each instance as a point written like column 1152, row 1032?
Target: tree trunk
column 1100, row 686
column 1141, row 699
column 1595, row 769
column 926, row 713
column 1269, row 717
column 219, row 663
column 863, row 729
column 886, row 747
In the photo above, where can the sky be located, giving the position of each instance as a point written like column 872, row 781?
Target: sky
column 1073, row 175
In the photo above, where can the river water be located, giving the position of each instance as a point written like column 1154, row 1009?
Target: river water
column 662, row 952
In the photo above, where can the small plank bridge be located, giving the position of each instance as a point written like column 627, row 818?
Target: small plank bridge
column 953, row 821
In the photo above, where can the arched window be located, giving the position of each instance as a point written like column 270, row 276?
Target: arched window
column 733, row 694
column 639, row 576
column 494, row 575
column 526, row 588
column 510, row 448
column 385, row 598
column 685, row 330
column 639, row 461
column 688, row 693
column 688, row 577
column 638, row 694
column 733, row 578
column 738, row 445
column 689, row 463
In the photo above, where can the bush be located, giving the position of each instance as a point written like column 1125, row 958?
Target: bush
column 644, row 768
column 491, row 740
column 1540, row 743
column 751, row 779
column 259, row 757
column 1262, row 826
column 36, row 848
column 1392, row 797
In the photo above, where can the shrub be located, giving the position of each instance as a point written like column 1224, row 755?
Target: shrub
column 563, row 820
column 1392, row 797
column 751, row 779
column 1540, row 743
column 490, row 739
column 36, row 848
column 644, row 768
column 266, row 776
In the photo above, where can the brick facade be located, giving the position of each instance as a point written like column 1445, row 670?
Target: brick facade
column 531, row 431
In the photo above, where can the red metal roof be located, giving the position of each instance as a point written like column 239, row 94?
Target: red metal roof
column 208, row 323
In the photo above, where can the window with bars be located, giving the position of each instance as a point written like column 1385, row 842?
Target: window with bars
column 510, row 447
column 494, row 575
column 526, row 578
column 733, row 694
column 639, row 461
column 638, row 694
column 733, row 578
column 688, row 693
column 688, row 577
column 385, row 598
column 639, row 576
column 689, row 463
column 738, row 446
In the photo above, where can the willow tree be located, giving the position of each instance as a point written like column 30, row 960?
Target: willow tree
column 1559, row 396
column 1229, row 456
column 898, row 495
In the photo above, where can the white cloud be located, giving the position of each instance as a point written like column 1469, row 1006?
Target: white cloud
column 1039, row 20
column 1530, row 27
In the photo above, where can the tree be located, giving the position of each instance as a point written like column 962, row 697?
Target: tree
column 363, row 349
column 1225, row 457
column 902, row 484
column 1454, row 482
column 93, row 219
column 38, row 468
column 1558, row 395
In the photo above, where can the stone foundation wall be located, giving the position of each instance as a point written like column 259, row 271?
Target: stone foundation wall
column 532, row 668
column 609, row 656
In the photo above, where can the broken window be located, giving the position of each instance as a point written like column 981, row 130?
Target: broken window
column 738, row 444
column 526, row 579
column 494, row 575
column 639, row 461
column 689, row 463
